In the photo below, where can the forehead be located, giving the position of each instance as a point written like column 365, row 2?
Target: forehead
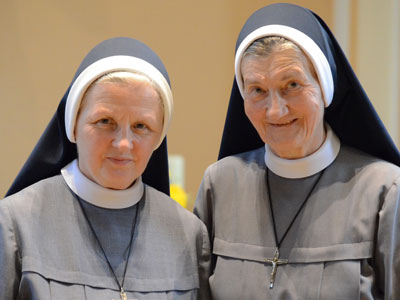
column 138, row 92
column 277, row 63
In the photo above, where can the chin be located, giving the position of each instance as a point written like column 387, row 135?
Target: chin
column 118, row 183
column 118, row 180
column 283, row 147
column 118, row 186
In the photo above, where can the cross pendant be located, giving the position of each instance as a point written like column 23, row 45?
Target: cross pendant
column 275, row 262
column 123, row 295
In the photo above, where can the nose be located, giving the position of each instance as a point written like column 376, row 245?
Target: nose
column 123, row 139
column 276, row 107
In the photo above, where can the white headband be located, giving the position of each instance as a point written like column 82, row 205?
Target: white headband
column 312, row 50
column 111, row 64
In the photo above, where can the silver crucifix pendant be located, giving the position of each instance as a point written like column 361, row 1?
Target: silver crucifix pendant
column 123, row 295
column 275, row 262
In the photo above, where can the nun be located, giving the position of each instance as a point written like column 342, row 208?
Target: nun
column 88, row 216
column 303, row 202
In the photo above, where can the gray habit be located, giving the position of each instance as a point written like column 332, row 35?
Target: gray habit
column 47, row 250
column 343, row 245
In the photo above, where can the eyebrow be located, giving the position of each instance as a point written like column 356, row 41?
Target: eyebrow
column 252, row 79
column 291, row 72
column 282, row 75
column 294, row 74
column 100, row 111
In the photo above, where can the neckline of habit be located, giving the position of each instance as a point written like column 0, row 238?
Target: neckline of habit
column 134, row 222
column 306, row 166
column 275, row 261
column 97, row 195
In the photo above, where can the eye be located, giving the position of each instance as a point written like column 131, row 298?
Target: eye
column 140, row 126
column 104, row 121
column 257, row 90
column 293, row 85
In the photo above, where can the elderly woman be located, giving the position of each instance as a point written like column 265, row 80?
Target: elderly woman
column 304, row 201
column 87, row 226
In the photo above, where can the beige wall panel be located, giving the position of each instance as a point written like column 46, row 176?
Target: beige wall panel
column 377, row 57
column 43, row 43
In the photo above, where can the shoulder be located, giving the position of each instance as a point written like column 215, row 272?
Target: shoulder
column 35, row 196
column 166, row 209
column 364, row 164
column 41, row 188
column 172, row 224
column 247, row 161
column 363, row 172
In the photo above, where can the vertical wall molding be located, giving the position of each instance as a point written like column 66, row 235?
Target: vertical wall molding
column 342, row 24
column 377, row 58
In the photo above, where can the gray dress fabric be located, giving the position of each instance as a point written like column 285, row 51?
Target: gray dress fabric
column 344, row 244
column 47, row 250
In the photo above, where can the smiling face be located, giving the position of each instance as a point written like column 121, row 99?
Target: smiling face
column 117, row 129
column 283, row 101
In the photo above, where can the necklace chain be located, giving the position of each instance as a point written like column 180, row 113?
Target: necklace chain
column 275, row 261
column 279, row 242
column 120, row 285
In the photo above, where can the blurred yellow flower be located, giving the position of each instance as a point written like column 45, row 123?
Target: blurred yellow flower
column 178, row 194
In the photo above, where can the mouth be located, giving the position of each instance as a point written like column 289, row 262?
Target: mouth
column 120, row 160
column 283, row 124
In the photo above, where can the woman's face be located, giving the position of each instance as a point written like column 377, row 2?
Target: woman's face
column 283, row 101
column 117, row 129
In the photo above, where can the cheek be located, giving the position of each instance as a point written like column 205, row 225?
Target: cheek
column 311, row 107
column 313, row 120
column 142, row 153
column 91, row 146
column 315, row 114
column 144, row 150
column 87, row 156
column 253, row 114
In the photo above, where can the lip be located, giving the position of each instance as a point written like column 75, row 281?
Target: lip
column 122, row 161
column 283, row 124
